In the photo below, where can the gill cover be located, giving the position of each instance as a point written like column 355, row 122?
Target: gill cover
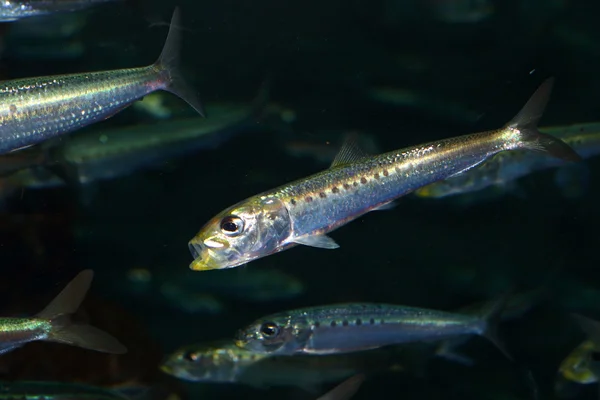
column 247, row 231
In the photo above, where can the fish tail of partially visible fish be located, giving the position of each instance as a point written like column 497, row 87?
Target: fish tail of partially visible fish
column 64, row 330
column 169, row 61
column 525, row 123
column 491, row 318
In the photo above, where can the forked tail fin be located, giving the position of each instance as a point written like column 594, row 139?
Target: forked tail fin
column 169, row 61
column 65, row 331
column 526, row 123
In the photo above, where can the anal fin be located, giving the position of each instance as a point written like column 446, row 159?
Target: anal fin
column 320, row 241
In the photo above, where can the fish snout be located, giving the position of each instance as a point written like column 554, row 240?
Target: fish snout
column 203, row 261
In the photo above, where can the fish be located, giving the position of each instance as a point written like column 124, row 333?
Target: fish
column 103, row 154
column 33, row 110
column 433, row 105
column 504, row 168
column 42, row 390
column 13, row 10
column 190, row 301
column 304, row 211
column 351, row 327
column 184, row 291
column 222, row 361
column 461, row 11
column 344, row 390
column 11, row 163
column 53, row 323
column 576, row 366
column 582, row 365
column 250, row 286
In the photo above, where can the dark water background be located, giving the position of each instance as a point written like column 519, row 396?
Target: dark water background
column 322, row 57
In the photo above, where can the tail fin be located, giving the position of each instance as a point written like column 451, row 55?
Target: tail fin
column 169, row 61
column 526, row 122
column 492, row 316
column 64, row 331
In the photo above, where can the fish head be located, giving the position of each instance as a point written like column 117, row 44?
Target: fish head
column 249, row 230
column 581, row 364
column 276, row 334
column 208, row 363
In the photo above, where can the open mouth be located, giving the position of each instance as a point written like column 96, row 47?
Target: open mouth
column 195, row 249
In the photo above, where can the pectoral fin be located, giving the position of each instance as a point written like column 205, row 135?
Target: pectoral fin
column 321, row 241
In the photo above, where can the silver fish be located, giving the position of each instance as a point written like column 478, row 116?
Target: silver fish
column 304, row 211
column 33, row 110
column 504, row 168
column 224, row 362
column 344, row 328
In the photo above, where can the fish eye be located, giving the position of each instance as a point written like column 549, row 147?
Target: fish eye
column 269, row 329
column 191, row 356
column 232, row 225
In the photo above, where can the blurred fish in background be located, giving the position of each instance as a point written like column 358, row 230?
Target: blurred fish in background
column 582, row 365
column 186, row 291
column 461, row 11
column 12, row 10
column 223, row 362
column 102, row 154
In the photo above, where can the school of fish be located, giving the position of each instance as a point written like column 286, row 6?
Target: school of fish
column 305, row 347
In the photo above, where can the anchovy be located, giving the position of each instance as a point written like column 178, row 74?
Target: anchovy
column 345, row 328
column 33, row 110
column 53, row 323
column 304, row 211
column 12, row 10
column 506, row 167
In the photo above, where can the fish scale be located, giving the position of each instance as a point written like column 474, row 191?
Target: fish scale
column 336, row 196
column 42, row 109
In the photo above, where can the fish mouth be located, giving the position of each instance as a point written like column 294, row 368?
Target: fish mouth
column 202, row 259
column 240, row 343
column 195, row 249
column 166, row 368
column 204, row 265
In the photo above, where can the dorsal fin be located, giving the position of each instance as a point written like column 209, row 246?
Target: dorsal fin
column 350, row 151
